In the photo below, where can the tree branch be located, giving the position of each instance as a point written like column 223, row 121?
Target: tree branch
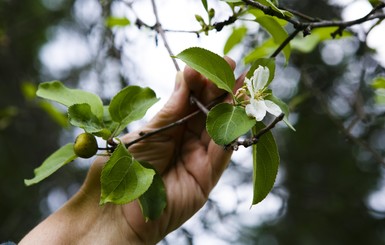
column 159, row 29
column 315, row 23
column 285, row 42
column 254, row 140
column 144, row 135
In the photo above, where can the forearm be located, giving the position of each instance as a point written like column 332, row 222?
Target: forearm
column 83, row 221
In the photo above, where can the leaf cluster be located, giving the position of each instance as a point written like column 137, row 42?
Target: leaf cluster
column 227, row 122
column 123, row 178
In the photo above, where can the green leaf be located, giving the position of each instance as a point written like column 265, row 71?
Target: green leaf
column 379, row 96
column 225, row 123
column 275, row 8
column 56, row 91
column 108, row 122
column 284, row 107
column 259, row 13
column 56, row 115
column 55, row 161
column 80, row 115
column 265, row 164
column 276, row 31
column 262, row 51
column 123, row 179
column 130, row 104
column 29, row 90
column 236, row 37
column 204, row 2
column 154, row 200
column 210, row 65
column 117, row 21
column 266, row 62
column 307, row 44
column 378, row 83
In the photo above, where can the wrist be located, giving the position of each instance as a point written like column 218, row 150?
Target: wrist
column 83, row 221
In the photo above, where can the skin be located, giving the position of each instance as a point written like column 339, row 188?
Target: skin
column 188, row 160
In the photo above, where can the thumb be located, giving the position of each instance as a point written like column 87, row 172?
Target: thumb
column 176, row 107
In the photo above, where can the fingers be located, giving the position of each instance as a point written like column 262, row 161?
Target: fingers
column 176, row 107
column 205, row 91
column 201, row 87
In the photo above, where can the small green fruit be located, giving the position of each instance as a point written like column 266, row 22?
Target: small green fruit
column 85, row 145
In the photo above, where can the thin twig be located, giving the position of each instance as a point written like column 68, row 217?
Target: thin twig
column 202, row 107
column 324, row 23
column 285, row 42
column 301, row 15
column 254, row 140
column 144, row 135
column 159, row 29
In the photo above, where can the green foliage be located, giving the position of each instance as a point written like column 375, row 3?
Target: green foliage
column 204, row 3
column 154, row 200
column 117, row 22
column 130, row 104
column 275, row 8
column 236, row 37
column 55, row 161
column 56, row 91
column 265, row 164
column 54, row 113
column 257, row 13
column 210, row 65
column 276, row 31
column 29, row 91
column 378, row 84
column 284, row 107
column 309, row 43
column 80, row 115
column 226, row 122
column 279, row 35
column 124, row 179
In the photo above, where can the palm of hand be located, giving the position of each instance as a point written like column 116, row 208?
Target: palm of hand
column 189, row 162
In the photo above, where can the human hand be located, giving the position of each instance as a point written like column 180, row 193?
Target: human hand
column 189, row 162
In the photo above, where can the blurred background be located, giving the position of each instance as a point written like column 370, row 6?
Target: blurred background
column 330, row 188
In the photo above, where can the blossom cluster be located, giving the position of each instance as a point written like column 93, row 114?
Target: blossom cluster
column 257, row 106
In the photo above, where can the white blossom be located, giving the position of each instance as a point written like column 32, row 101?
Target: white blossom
column 256, row 86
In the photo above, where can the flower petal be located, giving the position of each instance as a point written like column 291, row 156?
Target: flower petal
column 249, row 87
column 260, row 77
column 273, row 108
column 257, row 109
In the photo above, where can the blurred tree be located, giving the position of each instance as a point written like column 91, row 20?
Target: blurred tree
column 27, row 134
column 326, row 178
column 31, row 129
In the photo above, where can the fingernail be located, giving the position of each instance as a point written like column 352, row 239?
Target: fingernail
column 178, row 80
